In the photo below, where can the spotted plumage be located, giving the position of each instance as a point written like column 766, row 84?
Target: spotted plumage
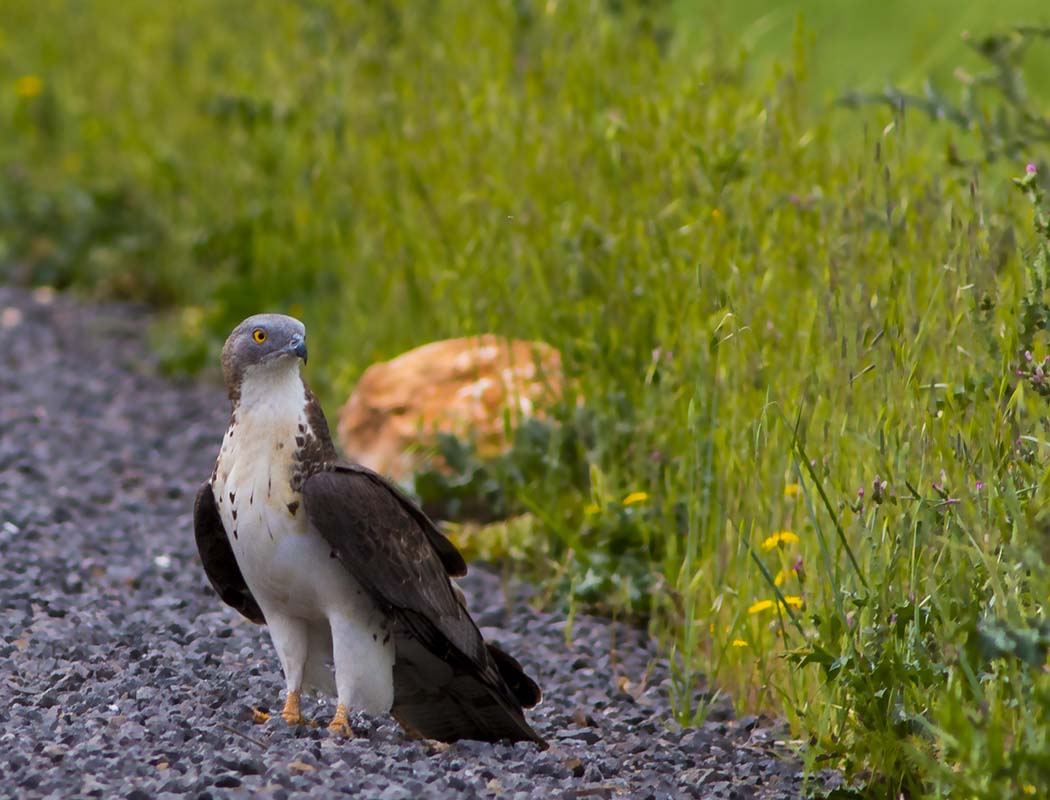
column 350, row 575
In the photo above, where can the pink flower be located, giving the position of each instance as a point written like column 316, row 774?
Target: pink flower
column 1030, row 169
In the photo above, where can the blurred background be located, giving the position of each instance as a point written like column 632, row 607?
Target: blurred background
column 792, row 258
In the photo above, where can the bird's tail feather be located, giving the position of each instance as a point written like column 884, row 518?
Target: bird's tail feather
column 524, row 688
column 434, row 699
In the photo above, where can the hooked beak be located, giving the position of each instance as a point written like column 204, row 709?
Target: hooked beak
column 297, row 346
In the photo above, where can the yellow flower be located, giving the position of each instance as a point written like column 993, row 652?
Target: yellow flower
column 780, row 538
column 739, row 643
column 715, row 214
column 760, row 606
column 791, row 490
column 29, row 86
column 591, row 509
column 635, row 497
column 765, row 605
column 782, row 576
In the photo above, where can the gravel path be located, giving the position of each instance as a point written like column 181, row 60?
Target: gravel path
column 122, row 675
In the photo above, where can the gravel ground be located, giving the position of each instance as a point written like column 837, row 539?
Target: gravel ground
column 122, row 675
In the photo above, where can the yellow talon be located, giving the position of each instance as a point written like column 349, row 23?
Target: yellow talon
column 340, row 723
column 290, row 713
column 259, row 716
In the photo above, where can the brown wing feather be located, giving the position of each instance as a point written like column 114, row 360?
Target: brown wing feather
column 446, row 551
column 220, row 565
column 447, row 685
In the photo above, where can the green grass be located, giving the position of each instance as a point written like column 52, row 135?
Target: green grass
column 766, row 303
column 862, row 45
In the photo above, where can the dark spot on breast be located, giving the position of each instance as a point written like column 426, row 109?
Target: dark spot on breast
column 386, row 638
column 234, row 512
column 302, row 428
column 293, row 507
column 234, row 533
column 232, row 497
column 331, row 554
column 251, row 499
column 375, row 638
column 300, row 441
column 280, row 445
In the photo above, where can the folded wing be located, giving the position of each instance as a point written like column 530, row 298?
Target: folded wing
column 448, row 683
column 220, row 565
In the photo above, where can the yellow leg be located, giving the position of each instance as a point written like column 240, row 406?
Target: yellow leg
column 259, row 716
column 340, row 723
column 291, row 713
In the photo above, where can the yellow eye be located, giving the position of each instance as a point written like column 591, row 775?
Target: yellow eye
column 259, row 336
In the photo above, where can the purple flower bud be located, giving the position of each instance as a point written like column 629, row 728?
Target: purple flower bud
column 860, row 492
column 979, row 485
column 1030, row 169
column 1028, row 355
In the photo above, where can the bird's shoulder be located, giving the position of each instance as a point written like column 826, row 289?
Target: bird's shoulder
column 348, row 496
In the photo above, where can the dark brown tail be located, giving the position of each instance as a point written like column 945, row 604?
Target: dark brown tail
column 521, row 685
column 435, row 699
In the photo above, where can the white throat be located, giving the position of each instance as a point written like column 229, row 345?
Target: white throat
column 272, row 393
column 257, row 457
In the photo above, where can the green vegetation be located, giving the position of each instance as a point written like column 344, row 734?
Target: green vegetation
column 857, row 44
column 813, row 450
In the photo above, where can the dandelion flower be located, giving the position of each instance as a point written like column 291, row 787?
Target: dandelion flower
column 793, row 601
column 739, row 643
column 792, row 490
column 779, row 539
column 635, row 497
column 760, row 606
column 29, row 86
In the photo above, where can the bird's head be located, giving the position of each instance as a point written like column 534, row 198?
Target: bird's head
column 263, row 345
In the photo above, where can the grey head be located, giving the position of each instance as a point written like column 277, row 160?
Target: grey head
column 262, row 340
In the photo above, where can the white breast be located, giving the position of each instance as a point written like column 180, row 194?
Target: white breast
column 288, row 567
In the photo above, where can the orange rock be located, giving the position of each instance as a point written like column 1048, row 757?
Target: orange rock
column 459, row 386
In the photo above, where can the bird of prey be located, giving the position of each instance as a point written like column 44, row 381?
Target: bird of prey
column 350, row 576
